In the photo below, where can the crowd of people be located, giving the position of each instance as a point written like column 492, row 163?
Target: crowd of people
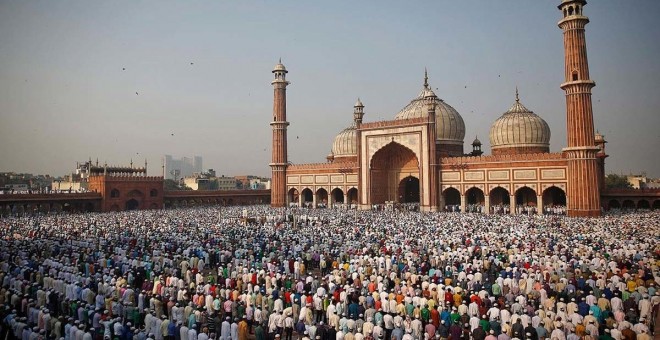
column 328, row 274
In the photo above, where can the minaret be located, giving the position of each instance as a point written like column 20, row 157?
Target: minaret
column 583, row 196
column 279, row 124
column 430, row 98
column 358, row 112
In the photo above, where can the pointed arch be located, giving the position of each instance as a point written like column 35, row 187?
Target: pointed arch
column 321, row 197
column 293, row 196
column 452, row 199
column 352, row 196
column 337, row 195
column 643, row 204
column 387, row 167
column 408, row 190
column 114, row 193
column 499, row 196
column 475, row 199
column 614, row 204
column 628, row 204
column 525, row 196
column 554, row 196
column 307, row 195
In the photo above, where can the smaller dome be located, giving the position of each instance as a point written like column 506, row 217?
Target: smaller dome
column 599, row 137
column 519, row 130
column 428, row 93
column 279, row 67
column 358, row 103
column 345, row 144
column 476, row 141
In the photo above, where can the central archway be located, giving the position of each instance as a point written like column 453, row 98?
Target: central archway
column 389, row 166
column 409, row 190
column 132, row 204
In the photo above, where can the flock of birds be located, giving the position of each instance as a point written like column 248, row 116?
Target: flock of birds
column 298, row 137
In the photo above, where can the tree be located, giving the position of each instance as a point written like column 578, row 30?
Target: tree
column 170, row 184
column 614, row 181
column 213, row 184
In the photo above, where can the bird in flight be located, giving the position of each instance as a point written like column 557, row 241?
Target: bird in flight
column 136, row 93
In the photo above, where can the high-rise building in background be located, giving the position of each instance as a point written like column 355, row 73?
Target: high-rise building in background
column 177, row 168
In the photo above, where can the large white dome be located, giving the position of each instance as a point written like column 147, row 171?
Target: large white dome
column 450, row 127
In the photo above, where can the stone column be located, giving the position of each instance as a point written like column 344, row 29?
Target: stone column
column 314, row 200
column 486, row 204
column 539, row 204
column 512, row 204
column 331, row 200
column 463, row 203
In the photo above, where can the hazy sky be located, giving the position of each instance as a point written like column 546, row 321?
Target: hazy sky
column 64, row 95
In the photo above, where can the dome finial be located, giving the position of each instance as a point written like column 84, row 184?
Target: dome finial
column 517, row 97
column 280, row 60
column 426, row 79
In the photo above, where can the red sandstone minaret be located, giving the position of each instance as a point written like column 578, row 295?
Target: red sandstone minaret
column 583, row 190
column 279, row 124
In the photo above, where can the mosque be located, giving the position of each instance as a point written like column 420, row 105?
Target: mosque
column 419, row 155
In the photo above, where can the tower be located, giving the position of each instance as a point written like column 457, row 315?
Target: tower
column 279, row 125
column 583, row 190
column 358, row 112
column 476, row 147
column 430, row 100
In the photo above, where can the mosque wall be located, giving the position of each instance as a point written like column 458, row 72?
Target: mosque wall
column 128, row 192
column 537, row 172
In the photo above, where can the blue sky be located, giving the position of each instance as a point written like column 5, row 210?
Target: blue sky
column 65, row 96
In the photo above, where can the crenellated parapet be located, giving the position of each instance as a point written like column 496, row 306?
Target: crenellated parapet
column 315, row 166
column 394, row 123
column 504, row 158
column 126, row 176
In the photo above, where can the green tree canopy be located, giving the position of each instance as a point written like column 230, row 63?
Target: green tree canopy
column 614, row 181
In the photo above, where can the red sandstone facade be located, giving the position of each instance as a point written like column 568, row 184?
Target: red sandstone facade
column 392, row 161
column 279, row 125
column 128, row 192
column 583, row 183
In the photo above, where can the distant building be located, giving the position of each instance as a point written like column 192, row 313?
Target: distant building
column 13, row 182
column 197, row 182
column 226, row 183
column 126, row 188
column 641, row 181
column 182, row 167
column 260, row 184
